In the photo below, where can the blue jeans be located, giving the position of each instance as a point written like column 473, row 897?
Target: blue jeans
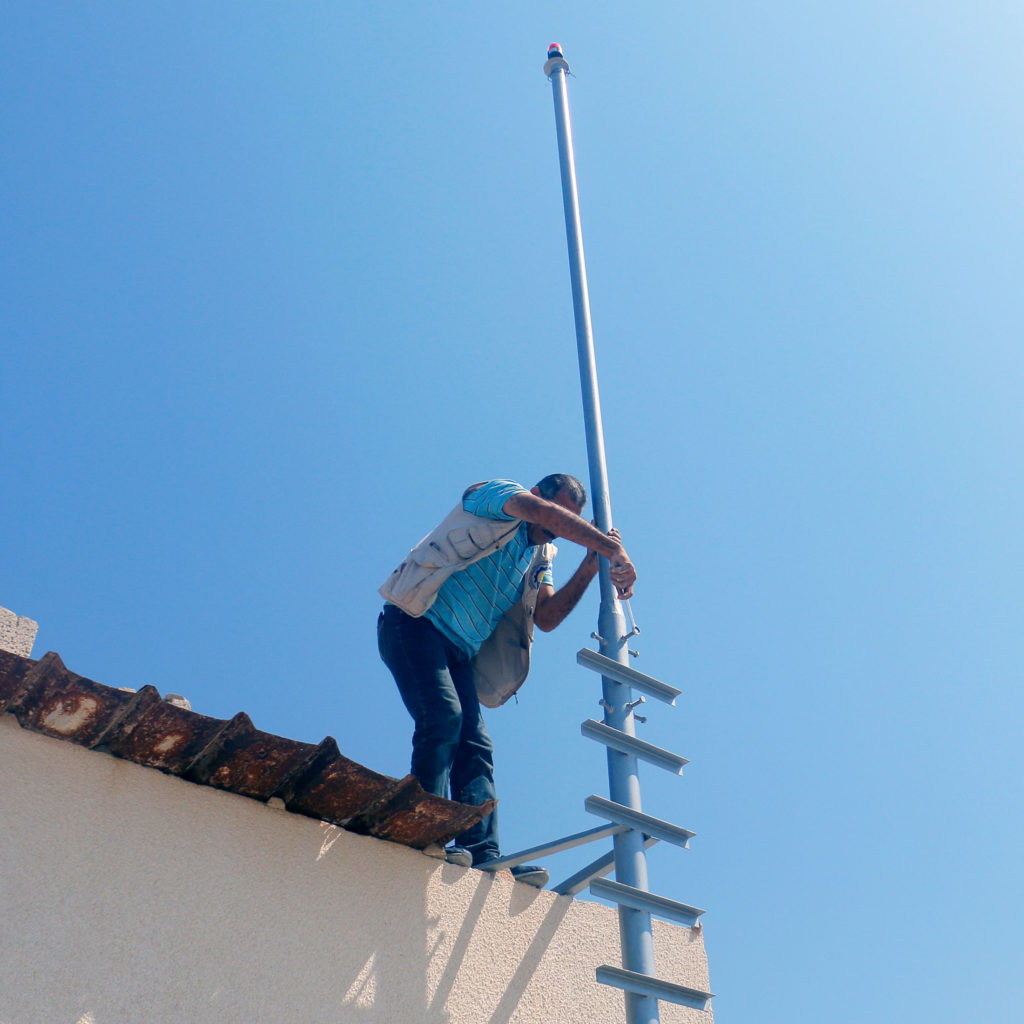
column 451, row 751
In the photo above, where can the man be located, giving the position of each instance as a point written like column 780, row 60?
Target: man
column 458, row 623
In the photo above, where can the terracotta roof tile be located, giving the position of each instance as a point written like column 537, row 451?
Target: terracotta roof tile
column 312, row 779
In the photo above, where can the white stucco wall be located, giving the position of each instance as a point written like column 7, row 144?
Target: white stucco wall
column 132, row 897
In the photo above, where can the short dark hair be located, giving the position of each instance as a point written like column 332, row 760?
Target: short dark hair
column 551, row 485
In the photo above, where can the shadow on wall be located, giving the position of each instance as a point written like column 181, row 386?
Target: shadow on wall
column 417, row 962
column 522, row 899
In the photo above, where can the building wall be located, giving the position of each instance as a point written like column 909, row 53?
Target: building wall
column 131, row 897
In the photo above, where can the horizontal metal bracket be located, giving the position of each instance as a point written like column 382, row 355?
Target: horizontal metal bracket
column 639, row 821
column 643, row 985
column 627, row 676
column 568, row 843
column 626, row 744
column 638, row 899
column 595, row 869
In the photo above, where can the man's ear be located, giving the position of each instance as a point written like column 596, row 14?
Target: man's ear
column 535, row 490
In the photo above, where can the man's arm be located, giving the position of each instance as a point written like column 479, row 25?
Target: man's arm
column 560, row 522
column 554, row 605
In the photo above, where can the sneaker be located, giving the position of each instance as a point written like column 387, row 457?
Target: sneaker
column 458, row 855
column 531, row 874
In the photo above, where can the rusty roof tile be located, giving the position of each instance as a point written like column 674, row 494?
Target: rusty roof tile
column 13, row 670
column 315, row 780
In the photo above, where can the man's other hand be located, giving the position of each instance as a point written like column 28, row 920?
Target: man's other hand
column 623, row 574
column 621, row 568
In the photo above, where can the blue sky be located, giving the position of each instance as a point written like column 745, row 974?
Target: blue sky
column 279, row 280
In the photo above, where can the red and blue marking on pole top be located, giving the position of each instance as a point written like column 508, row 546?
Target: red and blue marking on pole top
column 555, row 50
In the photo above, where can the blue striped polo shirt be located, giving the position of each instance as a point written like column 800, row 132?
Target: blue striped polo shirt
column 472, row 601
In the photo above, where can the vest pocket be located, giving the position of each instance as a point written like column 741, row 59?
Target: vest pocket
column 468, row 543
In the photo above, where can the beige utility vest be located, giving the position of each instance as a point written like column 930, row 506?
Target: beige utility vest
column 503, row 662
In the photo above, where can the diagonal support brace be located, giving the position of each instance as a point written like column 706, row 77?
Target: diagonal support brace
column 595, row 869
column 568, row 843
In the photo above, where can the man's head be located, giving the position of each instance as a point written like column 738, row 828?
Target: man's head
column 562, row 489
column 553, row 484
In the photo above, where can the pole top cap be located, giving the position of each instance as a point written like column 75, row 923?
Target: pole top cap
column 556, row 60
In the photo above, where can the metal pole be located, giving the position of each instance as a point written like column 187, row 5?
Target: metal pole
column 623, row 780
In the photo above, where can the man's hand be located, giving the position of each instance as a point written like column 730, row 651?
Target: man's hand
column 621, row 568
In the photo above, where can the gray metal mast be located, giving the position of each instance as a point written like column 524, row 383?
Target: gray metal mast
column 630, row 829
column 623, row 779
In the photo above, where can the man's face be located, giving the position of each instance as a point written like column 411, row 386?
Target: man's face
column 537, row 534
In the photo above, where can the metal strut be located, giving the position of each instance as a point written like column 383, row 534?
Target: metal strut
column 630, row 889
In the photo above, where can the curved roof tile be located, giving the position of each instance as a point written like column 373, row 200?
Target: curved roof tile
column 312, row 779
